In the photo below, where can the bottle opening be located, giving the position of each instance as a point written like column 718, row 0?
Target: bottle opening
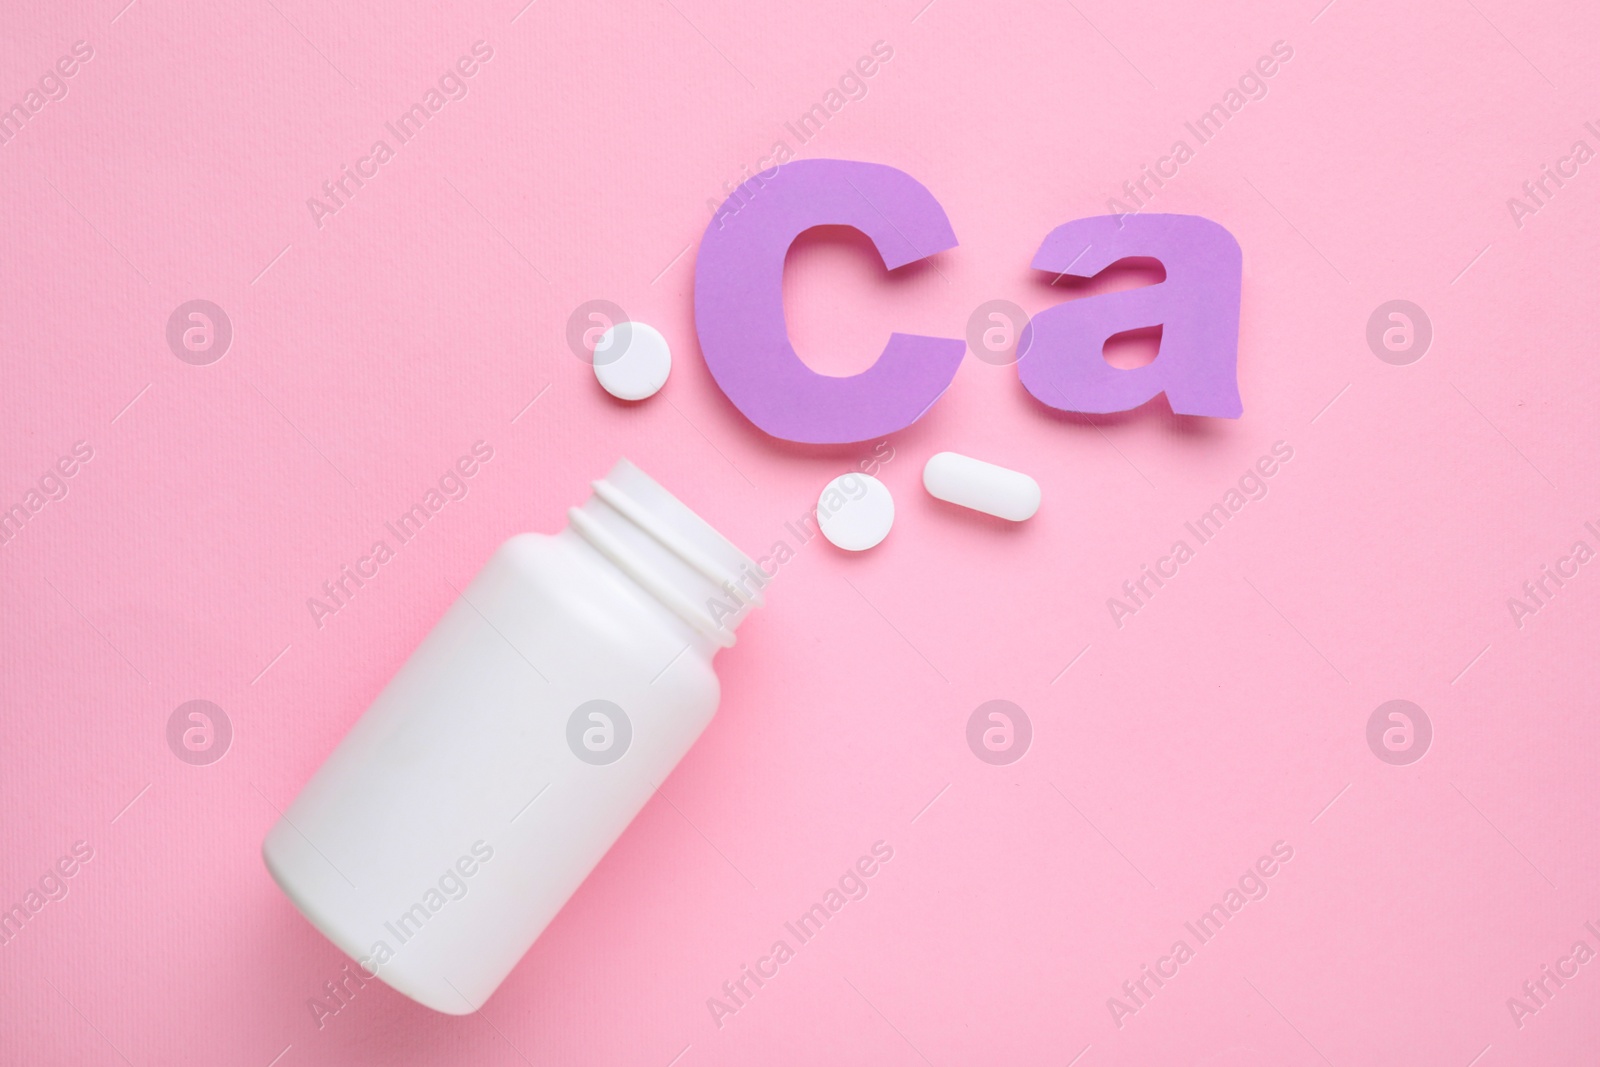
column 677, row 556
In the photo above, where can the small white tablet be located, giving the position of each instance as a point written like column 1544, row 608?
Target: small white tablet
column 855, row 511
column 632, row 361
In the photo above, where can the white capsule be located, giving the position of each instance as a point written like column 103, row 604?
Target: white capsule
column 972, row 483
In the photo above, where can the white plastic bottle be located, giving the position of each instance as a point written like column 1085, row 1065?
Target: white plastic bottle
column 516, row 744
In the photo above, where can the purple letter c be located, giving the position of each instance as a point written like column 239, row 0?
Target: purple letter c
column 738, row 301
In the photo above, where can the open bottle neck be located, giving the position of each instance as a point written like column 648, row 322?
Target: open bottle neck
column 670, row 552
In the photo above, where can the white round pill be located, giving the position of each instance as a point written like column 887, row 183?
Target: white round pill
column 855, row 511
column 632, row 360
column 972, row 483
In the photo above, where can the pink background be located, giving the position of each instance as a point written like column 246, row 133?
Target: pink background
column 1227, row 715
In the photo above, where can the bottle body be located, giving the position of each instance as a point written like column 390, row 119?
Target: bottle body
column 493, row 772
